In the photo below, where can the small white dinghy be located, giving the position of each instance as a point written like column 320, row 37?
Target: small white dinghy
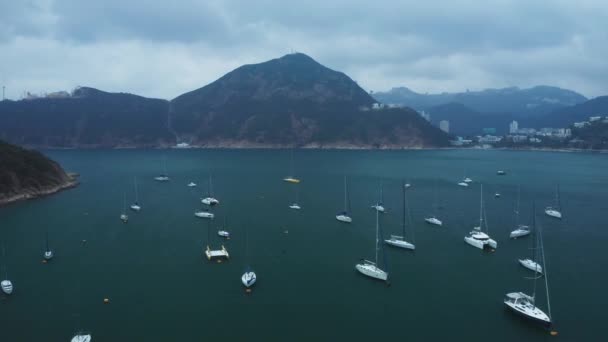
column 463, row 184
column 204, row 214
column 80, row 337
column 531, row 265
column 295, row 206
column 223, row 233
column 191, row 185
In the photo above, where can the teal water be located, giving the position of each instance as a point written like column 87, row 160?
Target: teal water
column 162, row 289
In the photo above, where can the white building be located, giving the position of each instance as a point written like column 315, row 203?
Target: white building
column 513, row 127
column 425, row 115
column 581, row 124
column 594, row 118
column 444, row 125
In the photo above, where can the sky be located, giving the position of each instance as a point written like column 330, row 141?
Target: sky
column 165, row 48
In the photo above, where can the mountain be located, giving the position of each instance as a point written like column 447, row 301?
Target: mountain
column 531, row 101
column 28, row 174
column 86, row 118
column 564, row 117
column 294, row 100
column 466, row 121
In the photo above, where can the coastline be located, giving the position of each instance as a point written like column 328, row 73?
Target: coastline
column 29, row 194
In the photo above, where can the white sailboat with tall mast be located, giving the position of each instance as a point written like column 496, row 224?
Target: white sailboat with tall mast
column 379, row 206
column 249, row 277
column 295, row 205
column 530, row 263
column 343, row 216
column 521, row 229
column 210, row 200
column 163, row 177
column 476, row 237
column 48, row 253
column 399, row 241
column 525, row 305
column 135, row 206
column 81, row 337
column 370, row 268
column 124, row 217
column 432, row 219
column 291, row 178
column 6, row 285
column 556, row 210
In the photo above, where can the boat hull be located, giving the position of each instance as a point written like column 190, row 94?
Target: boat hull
column 531, row 265
column 400, row 244
column 541, row 319
column 553, row 213
column 433, row 221
column 210, row 201
column 372, row 271
column 204, row 214
column 481, row 244
column 81, row 338
column 519, row 233
column 7, row 286
column 344, row 218
column 135, row 207
column 248, row 279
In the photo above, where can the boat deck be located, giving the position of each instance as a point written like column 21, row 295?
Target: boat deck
column 219, row 253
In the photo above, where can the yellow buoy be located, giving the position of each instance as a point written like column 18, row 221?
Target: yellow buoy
column 553, row 333
column 44, row 261
column 219, row 261
column 106, row 301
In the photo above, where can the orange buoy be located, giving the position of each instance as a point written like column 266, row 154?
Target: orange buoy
column 44, row 261
column 106, row 301
column 219, row 261
column 553, row 333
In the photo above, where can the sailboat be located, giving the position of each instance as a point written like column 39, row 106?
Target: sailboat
column 6, row 285
column 379, row 206
column 48, row 253
column 210, row 200
column 223, row 232
column 163, row 177
column 521, row 230
column 291, row 178
column 530, row 263
column 217, row 253
column 525, row 305
column 370, row 268
column 81, row 337
column 295, row 204
column 191, row 185
column 399, row 241
column 463, row 184
column 432, row 219
column 135, row 206
column 555, row 211
column 249, row 277
column 124, row 217
column 343, row 216
column 476, row 237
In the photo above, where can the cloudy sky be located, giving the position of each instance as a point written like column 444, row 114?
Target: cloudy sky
column 164, row 48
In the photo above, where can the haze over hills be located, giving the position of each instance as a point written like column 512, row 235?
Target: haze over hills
column 292, row 100
column 532, row 101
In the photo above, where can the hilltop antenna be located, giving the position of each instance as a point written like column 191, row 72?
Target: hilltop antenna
column 3, row 87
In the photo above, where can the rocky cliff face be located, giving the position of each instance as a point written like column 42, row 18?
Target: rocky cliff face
column 26, row 174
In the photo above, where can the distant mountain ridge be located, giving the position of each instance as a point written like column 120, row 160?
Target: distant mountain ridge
column 288, row 101
column 534, row 101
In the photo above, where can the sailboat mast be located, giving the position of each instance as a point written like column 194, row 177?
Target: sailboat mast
column 47, row 240
column 403, row 223
column 481, row 206
column 291, row 164
column 345, row 196
column 542, row 251
column 517, row 207
column 136, row 192
column 559, row 204
column 210, row 187
column 377, row 227
column 534, row 251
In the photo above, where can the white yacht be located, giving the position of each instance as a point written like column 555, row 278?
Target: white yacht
column 476, row 237
column 555, row 210
column 343, row 216
column 204, row 214
column 80, row 337
column 223, row 233
column 135, row 206
column 370, row 268
column 379, row 206
column 463, row 184
column 467, row 180
column 521, row 230
column 248, row 278
column 399, row 241
column 7, row 286
column 523, row 304
column 433, row 220
column 163, row 177
column 191, row 185
column 295, row 206
column 531, row 265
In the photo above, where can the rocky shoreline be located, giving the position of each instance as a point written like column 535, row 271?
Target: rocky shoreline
column 29, row 194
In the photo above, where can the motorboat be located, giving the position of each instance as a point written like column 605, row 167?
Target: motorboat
column 434, row 221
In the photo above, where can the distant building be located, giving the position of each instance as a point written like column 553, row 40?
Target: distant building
column 489, row 139
column 594, row 118
column 376, row 106
column 581, row 124
column 535, row 140
column 513, row 127
column 425, row 115
column 526, row 131
column 444, row 125
column 489, row 131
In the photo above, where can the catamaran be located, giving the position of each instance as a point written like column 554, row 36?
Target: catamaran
column 343, row 216
column 477, row 238
column 210, row 200
column 379, row 206
column 522, row 229
column 399, row 241
column 525, row 305
column 163, row 177
column 291, row 178
column 135, row 206
column 221, row 253
column 555, row 211
column 6, row 285
column 370, row 268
